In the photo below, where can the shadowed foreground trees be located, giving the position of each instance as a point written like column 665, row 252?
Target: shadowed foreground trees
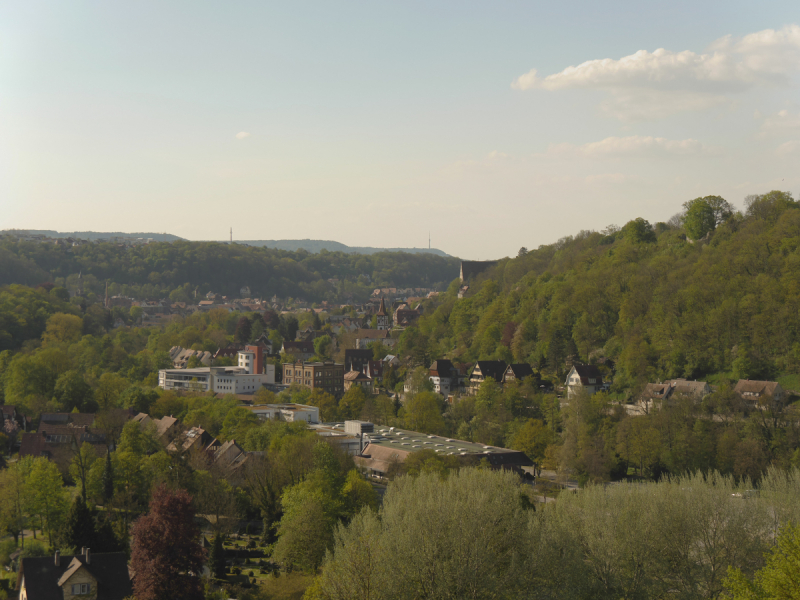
column 167, row 556
column 780, row 577
column 471, row 536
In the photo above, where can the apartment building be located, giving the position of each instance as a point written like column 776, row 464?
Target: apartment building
column 327, row 376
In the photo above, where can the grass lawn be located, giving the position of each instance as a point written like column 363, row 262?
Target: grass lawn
column 285, row 587
column 790, row 382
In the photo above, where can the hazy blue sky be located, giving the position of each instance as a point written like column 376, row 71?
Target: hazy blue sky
column 494, row 124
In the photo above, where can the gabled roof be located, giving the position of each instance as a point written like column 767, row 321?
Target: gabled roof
column 163, row 424
column 302, row 345
column 587, row 372
column 228, row 452
column 442, row 368
column 491, row 368
column 520, row 370
column 758, row 388
column 658, row 391
column 355, row 376
column 688, row 388
column 42, row 576
column 72, row 568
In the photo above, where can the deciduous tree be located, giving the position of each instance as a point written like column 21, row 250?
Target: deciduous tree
column 167, row 555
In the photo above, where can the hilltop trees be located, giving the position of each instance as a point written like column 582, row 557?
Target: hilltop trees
column 176, row 269
column 644, row 297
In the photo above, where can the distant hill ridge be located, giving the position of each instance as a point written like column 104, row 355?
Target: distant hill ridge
column 97, row 235
column 312, row 246
column 315, row 246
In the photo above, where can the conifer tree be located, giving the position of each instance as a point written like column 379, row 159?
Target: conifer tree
column 216, row 561
column 108, row 479
column 105, row 540
column 80, row 531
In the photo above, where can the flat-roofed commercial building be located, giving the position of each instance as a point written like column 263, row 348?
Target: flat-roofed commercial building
column 387, row 445
column 285, row 412
column 334, row 434
column 247, row 378
column 327, row 376
column 223, row 380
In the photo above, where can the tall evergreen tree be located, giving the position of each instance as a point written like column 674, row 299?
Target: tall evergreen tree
column 80, row 531
column 108, row 479
column 216, row 560
column 105, row 540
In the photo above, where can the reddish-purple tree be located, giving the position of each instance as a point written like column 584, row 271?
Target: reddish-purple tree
column 167, row 556
column 508, row 334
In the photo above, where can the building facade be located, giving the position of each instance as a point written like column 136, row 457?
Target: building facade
column 583, row 377
column 384, row 322
column 222, row 380
column 484, row 369
column 290, row 413
column 327, row 376
column 357, row 379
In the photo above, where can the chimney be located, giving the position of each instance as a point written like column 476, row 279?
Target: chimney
column 58, row 558
column 88, row 558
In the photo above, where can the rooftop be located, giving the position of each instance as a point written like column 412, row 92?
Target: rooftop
column 403, row 439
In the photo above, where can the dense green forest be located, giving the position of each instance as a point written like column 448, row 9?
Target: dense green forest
column 176, row 269
column 652, row 299
column 713, row 294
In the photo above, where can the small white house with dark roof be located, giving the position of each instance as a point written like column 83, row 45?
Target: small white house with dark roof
column 583, row 377
column 84, row 575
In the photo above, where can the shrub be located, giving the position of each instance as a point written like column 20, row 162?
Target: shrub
column 7, row 548
column 34, row 548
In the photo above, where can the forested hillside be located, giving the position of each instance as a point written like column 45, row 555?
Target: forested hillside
column 650, row 298
column 159, row 269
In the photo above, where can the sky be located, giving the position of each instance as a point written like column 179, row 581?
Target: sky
column 491, row 125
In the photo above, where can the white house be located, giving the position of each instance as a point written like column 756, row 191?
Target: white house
column 586, row 377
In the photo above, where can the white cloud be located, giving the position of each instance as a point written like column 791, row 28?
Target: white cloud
column 242, row 134
column 781, row 122
column 656, row 84
column 787, row 148
column 495, row 155
column 635, row 146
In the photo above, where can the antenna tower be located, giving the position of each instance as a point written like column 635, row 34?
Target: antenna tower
column 231, row 235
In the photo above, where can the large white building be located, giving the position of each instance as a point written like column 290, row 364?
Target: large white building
column 285, row 412
column 224, row 380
